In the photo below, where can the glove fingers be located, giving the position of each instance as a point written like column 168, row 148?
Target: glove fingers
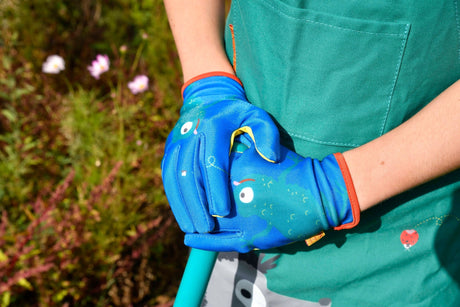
column 173, row 192
column 216, row 179
column 192, row 190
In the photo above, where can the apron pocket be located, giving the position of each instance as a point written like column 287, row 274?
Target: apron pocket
column 326, row 79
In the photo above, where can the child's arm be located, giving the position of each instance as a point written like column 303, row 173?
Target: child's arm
column 421, row 149
column 198, row 27
column 196, row 160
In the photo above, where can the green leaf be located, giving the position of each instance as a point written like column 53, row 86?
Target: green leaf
column 25, row 284
column 18, row 93
column 3, row 256
column 7, row 61
column 6, row 299
column 9, row 82
column 10, row 115
column 58, row 297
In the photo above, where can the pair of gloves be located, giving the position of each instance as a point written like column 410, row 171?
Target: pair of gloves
column 233, row 187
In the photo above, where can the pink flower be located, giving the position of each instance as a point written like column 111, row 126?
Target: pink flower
column 139, row 84
column 54, row 64
column 99, row 66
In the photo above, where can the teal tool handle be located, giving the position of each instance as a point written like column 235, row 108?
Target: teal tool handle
column 195, row 279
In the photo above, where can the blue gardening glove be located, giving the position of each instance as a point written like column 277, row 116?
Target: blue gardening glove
column 279, row 203
column 195, row 166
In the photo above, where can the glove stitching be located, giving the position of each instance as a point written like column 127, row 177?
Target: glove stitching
column 176, row 176
column 198, row 146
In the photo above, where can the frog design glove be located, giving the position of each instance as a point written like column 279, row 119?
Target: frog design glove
column 279, row 203
column 195, row 165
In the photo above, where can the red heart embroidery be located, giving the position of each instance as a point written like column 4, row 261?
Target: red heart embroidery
column 409, row 238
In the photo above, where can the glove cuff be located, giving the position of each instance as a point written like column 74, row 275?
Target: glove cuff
column 210, row 74
column 356, row 211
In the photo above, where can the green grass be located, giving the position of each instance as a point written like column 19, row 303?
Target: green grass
column 84, row 220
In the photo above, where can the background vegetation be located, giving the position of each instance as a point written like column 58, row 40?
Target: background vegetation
column 84, row 220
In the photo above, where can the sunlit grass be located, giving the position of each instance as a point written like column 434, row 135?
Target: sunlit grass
column 84, row 220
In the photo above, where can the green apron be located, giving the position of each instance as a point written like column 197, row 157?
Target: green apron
column 335, row 74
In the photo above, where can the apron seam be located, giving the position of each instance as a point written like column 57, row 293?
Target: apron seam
column 395, row 77
column 457, row 19
column 243, row 27
column 305, row 138
column 333, row 26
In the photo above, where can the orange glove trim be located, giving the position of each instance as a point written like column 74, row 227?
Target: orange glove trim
column 356, row 210
column 210, row 74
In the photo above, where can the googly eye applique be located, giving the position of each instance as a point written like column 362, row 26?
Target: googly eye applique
column 246, row 195
column 186, row 128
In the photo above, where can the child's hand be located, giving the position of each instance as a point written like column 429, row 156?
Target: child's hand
column 279, row 203
column 195, row 167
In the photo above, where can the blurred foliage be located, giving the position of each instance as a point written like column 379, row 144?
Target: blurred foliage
column 84, row 220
